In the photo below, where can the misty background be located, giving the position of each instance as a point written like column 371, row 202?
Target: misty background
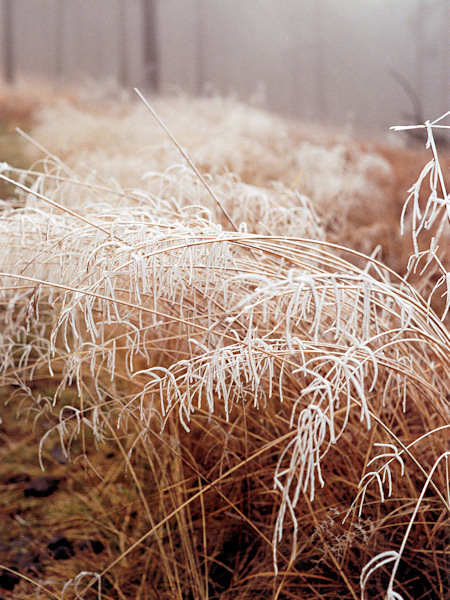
column 363, row 64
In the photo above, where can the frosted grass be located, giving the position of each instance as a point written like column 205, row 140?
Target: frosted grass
column 151, row 287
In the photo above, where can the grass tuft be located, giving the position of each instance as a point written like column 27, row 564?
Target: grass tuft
column 256, row 411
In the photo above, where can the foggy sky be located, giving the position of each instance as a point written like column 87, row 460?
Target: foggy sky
column 344, row 62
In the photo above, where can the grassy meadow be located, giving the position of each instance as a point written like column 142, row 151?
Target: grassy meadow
column 225, row 353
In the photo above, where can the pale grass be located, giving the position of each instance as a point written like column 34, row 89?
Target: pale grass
column 238, row 362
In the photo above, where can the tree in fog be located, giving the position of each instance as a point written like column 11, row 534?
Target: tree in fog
column 60, row 10
column 8, row 58
column 150, row 44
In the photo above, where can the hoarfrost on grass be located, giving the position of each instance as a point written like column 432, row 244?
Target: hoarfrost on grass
column 149, row 285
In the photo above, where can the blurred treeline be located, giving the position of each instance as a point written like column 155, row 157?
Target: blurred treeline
column 364, row 63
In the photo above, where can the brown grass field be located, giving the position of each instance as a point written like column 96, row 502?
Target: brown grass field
column 225, row 377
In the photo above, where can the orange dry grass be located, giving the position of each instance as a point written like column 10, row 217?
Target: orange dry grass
column 208, row 498
column 192, row 514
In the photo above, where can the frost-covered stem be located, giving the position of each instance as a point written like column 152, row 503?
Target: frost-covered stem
column 431, row 142
column 187, row 159
column 28, row 190
column 390, row 592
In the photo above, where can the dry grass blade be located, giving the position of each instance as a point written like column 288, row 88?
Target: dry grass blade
column 187, row 159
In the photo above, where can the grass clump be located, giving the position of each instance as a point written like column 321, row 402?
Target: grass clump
column 251, row 411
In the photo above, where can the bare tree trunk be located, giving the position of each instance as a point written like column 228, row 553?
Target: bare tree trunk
column 445, row 28
column 199, row 47
column 319, row 57
column 60, row 11
column 123, row 46
column 151, row 58
column 8, row 52
column 419, row 34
